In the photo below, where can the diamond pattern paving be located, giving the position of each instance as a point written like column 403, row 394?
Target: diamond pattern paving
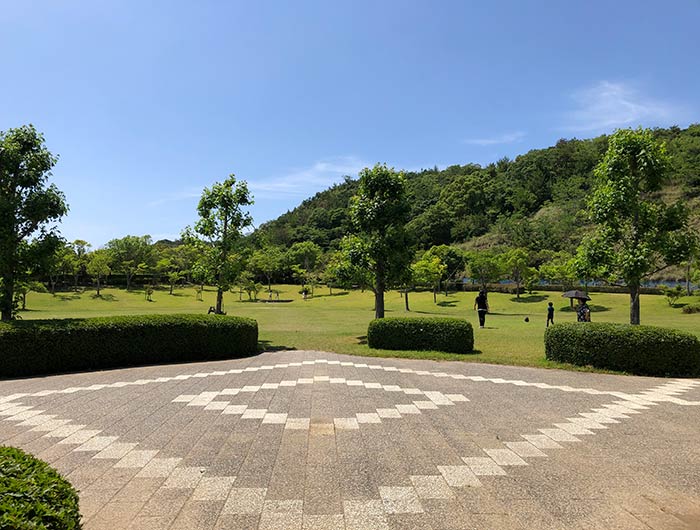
column 317, row 440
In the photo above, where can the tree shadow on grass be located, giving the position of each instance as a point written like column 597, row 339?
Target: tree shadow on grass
column 339, row 293
column 593, row 307
column 362, row 339
column 68, row 297
column 105, row 297
column 266, row 345
column 530, row 299
column 447, row 303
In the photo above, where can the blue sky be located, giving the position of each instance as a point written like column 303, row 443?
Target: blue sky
column 149, row 102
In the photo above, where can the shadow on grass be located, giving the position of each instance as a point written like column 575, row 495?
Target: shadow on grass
column 105, row 297
column 362, row 339
column 530, row 299
column 339, row 293
column 266, row 345
column 280, row 301
column 68, row 297
column 447, row 303
column 593, row 307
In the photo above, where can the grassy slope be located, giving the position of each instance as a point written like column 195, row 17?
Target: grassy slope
column 339, row 323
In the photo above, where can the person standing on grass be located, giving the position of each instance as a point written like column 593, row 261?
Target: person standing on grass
column 550, row 314
column 481, row 304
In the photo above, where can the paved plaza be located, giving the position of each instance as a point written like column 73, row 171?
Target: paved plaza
column 313, row 440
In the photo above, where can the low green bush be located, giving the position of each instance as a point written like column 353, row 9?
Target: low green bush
column 33, row 495
column 691, row 308
column 452, row 335
column 643, row 350
column 34, row 347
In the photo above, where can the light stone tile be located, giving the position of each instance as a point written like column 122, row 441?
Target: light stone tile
column 368, row 417
column 159, row 468
column 600, row 418
column 64, row 431
column 305, row 381
column 80, row 437
column 438, row 398
column 374, row 386
column 483, row 466
column 115, row 451
column 611, row 413
column 184, row 477
column 229, row 391
column 270, row 386
column 288, row 383
column 38, row 420
column 96, row 443
column 558, row 435
column 234, row 409
column 458, row 476
column 245, row 501
column 505, row 457
column 408, row 409
column 250, row 388
column 336, row 380
column 323, row 522
column 203, row 399
column 213, row 488
column 346, row 424
column 50, row 425
column 573, row 428
column 425, row 405
column 321, row 378
column 217, row 405
column 282, row 515
column 388, row 413
column 587, row 423
column 400, row 499
column 365, row 515
column 541, row 441
column 456, row 397
column 413, row 391
column 524, row 449
column 322, row 429
column 136, row 458
column 431, row 487
column 277, row 418
column 297, row 423
column 354, row 382
column 392, row 388
column 24, row 415
column 254, row 414
column 621, row 408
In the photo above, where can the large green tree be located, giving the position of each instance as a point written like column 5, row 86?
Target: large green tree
column 130, row 255
column 28, row 206
column 221, row 221
column 637, row 233
column 379, row 213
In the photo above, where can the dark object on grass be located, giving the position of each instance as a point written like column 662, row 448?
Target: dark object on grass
column 34, row 495
column 527, row 319
column 452, row 335
column 32, row 347
column 643, row 350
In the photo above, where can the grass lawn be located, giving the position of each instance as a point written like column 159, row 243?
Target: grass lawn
column 338, row 323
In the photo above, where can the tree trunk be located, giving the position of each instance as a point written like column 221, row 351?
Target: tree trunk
column 517, row 290
column 171, row 287
column 98, row 285
column 406, row 301
column 24, row 301
column 7, row 296
column 688, row 292
column 379, row 303
column 128, row 282
column 434, row 295
column 219, row 300
column 634, row 304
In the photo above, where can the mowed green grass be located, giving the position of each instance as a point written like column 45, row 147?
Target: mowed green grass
column 338, row 322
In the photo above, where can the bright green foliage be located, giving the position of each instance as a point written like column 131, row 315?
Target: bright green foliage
column 451, row 335
column 379, row 213
column 672, row 294
column 515, row 265
column 643, row 350
column 131, row 255
column 27, row 207
column 484, row 266
column 559, row 269
column 452, row 257
column 34, row 347
column 636, row 235
column 33, row 495
column 267, row 262
column 98, row 266
column 428, row 271
column 221, row 220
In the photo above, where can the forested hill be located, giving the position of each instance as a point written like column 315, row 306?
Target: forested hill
column 535, row 201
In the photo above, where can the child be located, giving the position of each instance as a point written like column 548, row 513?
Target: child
column 550, row 313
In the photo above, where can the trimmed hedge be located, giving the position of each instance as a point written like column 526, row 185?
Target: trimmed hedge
column 691, row 308
column 452, row 335
column 643, row 350
column 52, row 346
column 34, row 495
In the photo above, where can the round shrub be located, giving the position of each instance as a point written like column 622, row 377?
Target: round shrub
column 32, row 347
column 452, row 335
column 33, row 495
column 691, row 308
column 643, row 350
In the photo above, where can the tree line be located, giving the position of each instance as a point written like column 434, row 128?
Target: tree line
column 631, row 231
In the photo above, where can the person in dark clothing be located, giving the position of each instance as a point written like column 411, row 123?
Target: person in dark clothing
column 550, row 314
column 481, row 304
column 583, row 312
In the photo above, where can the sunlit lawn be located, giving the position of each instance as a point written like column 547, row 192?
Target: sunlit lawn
column 338, row 323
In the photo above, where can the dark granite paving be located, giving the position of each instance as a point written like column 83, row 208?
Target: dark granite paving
column 313, row 440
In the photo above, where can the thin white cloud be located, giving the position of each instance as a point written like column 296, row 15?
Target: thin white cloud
column 176, row 196
column 307, row 181
column 507, row 138
column 608, row 105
